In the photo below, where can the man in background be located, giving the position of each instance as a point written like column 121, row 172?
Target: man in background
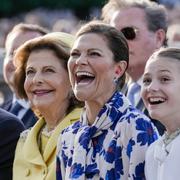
column 144, row 24
column 19, row 35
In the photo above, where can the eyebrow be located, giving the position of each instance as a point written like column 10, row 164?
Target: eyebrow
column 165, row 70
column 48, row 66
column 162, row 71
column 92, row 49
column 76, row 49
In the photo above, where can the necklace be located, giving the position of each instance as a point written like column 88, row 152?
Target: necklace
column 170, row 137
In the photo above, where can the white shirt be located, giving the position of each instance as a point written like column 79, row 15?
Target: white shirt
column 163, row 163
column 24, row 104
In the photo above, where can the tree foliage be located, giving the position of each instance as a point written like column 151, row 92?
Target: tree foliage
column 12, row 7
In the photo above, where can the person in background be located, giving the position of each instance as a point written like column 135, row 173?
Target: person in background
column 5, row 92
column 144, row 24
column 111, row 138
column 10, row 129
column 19, row 34
column 173, row 35
column 160, row 93
column 170, row 4
column 41, row 76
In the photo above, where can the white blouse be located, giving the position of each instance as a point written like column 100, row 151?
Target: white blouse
column 163, row 162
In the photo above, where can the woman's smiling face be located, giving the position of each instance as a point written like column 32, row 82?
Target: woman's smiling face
column 92, row 68
column 47, row 84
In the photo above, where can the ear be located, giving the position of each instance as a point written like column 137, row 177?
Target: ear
column 160, row 37
column 120, row 68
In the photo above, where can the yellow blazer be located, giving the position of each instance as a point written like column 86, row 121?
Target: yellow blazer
column 29, row 163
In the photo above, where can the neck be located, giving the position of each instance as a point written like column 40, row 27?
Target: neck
column 53, row 116
column 93, row 107
column 171, row 124
column 92, row 110
column 134, row 74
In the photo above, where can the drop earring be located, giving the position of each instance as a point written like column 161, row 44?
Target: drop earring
column 115, row 80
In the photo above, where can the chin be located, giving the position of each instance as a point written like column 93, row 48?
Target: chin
column 81, row 96
column 41, row 105
column 154, row 115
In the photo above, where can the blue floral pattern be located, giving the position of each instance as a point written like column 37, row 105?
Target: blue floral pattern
column 112, row 148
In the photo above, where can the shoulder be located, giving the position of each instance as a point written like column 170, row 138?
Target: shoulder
column 135, row 125
column 10, row 122
column 10, row 129
column 70, row 131
column 5, row 115
column 133, row 117
column 24, row 134
column 73, row 128
column 153, row 146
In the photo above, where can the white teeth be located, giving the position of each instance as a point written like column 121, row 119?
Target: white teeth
column 83, row 73
column 156, row 99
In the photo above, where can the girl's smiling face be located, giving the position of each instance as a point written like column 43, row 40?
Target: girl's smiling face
column 160, row 89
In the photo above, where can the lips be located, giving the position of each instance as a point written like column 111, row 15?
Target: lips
column 41, row 92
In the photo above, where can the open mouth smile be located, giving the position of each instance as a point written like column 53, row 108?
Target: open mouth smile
column 84, row 77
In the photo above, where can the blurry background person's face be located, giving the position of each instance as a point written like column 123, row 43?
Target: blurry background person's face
column 144, row 43
column 13, row 42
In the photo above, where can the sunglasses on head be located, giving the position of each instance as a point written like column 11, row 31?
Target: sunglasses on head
column 130, row 33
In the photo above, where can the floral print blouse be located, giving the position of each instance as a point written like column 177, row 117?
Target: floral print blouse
column 112, row 148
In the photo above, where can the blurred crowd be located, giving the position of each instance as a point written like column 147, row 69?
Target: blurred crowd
column 29, row 37
column 57, row 20
column 67, row 21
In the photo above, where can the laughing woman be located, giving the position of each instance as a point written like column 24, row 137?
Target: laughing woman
column 111, row 138
column 42, row 78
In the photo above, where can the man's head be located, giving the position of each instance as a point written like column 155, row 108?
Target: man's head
column 18, row 35
column 144, row 25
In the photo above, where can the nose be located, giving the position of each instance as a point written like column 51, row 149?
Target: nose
column 153, row 86
column 38, row 78
column 82, row 59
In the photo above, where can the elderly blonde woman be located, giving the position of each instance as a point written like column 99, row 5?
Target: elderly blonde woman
column 42, row 78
